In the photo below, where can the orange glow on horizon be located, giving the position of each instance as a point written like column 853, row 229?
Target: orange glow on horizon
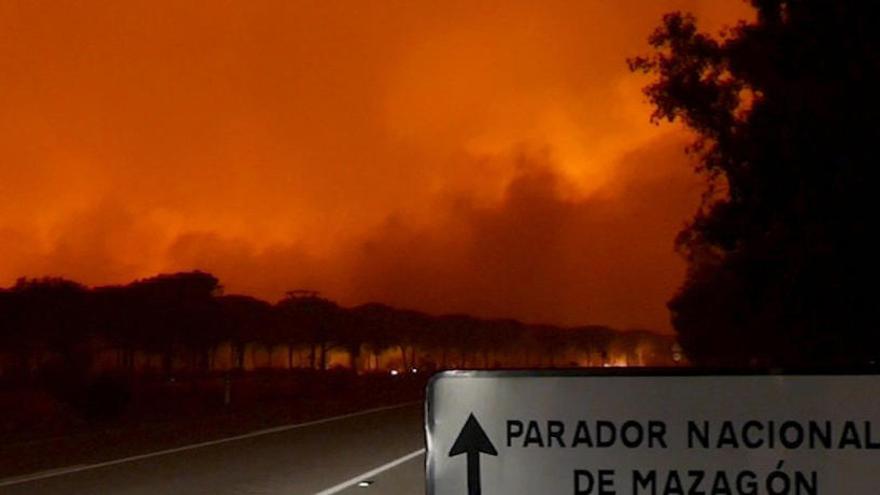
column 488, row 157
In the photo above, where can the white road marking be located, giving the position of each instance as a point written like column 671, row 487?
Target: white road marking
column 369, row 474
column 17, row 480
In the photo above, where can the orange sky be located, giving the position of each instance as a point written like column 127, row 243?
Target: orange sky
column 492, row 157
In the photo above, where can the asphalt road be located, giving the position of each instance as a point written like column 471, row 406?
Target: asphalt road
column 326, row 457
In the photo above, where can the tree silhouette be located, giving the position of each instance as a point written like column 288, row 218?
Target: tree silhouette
column 243, row 320
column 780, row 254
column 115, row 312
column 49, row 316
column 179, row 312
column 317, row 319
column 375, row 324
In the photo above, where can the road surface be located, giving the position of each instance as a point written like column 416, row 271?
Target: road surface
column 327, row 457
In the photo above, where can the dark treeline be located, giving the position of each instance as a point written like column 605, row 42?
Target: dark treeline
column 183, row 324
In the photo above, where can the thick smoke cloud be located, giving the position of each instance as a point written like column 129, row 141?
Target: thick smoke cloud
column 489, row 157
column 541, row 252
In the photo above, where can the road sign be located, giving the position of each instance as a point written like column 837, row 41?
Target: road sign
column 647, row 433
column 472, row 440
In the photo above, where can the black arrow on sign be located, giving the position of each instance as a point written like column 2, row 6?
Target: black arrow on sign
column 472, row 441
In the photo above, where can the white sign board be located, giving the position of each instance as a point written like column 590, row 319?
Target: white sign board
column 512, row 433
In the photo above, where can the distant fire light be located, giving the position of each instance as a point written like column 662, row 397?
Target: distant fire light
column 617, row 363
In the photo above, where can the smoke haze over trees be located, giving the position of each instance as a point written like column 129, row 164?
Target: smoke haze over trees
column 388, row 153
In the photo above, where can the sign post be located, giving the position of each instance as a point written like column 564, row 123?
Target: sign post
column 652, row 433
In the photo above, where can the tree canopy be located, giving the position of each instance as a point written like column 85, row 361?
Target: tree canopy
column 780, row 254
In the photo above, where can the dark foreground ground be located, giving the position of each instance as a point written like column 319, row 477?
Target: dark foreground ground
column 384, row 446
column 165, row 416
